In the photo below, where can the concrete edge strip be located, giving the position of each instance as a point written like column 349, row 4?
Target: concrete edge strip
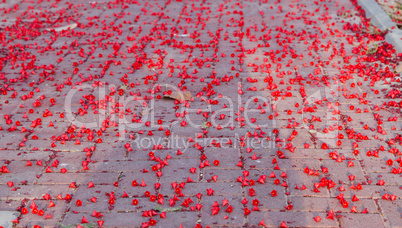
column 381, row 19
column 394, row 37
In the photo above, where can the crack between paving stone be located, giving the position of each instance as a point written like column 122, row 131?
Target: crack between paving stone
column 242, row 156
column 383, row 217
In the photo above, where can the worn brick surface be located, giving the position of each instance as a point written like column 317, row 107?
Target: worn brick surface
column 285, row 95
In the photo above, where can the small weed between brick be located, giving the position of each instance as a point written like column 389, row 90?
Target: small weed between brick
column 167, row 209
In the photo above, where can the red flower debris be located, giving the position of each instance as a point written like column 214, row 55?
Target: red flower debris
column 94, row 95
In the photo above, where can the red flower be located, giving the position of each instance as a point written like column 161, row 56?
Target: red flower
column 24, row 211
column 147, row 194
column 192, row 170
column 210, row 191
column 251, row 192
column 90, row 184
column 225, row 202
column 214, row 177
column 256, row 202
column 152, row 222
column 359, row 187
column 229, row 209
column 246, row 211
column 331, row 214
column 344, row 203
column 163, row 215
column 215, row 210
column 51, row 204
column 84, row 220
column 289, row 207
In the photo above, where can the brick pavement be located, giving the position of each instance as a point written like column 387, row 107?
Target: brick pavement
column 294, row 120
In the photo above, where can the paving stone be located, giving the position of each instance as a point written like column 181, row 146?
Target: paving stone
column 219, row 188
column 178, row 170
column 296, row 219
column 18, row 173
column 343, row 172
column 9, row 205
column 56, row 212
column 113, row 219
column 188, row 219
column 20, row 192
column 351, row 219
column 268, row 202
column 389, row 178
column 79, row 178
column 321, row 204
column 393, row 218
column 234, row 218
column 230, row 155
column 7, row 217
column 24, row 155
column 370, row 191
column 222, row 175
